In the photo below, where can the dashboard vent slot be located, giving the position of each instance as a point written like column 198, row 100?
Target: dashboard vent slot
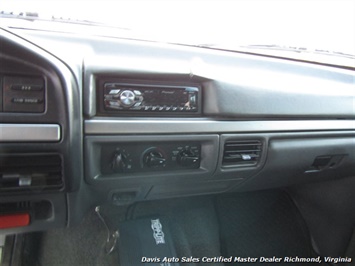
column 20, row 172
column 242, row 152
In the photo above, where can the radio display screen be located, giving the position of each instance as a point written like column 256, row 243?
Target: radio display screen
column 166, row 97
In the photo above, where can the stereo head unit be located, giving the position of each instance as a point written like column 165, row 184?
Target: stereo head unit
column 117, row 98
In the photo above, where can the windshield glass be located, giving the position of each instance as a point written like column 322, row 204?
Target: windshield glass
column 281, row 27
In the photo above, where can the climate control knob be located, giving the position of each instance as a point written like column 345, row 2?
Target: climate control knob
column 154, row 158
column 120, row 161
column 187, row 157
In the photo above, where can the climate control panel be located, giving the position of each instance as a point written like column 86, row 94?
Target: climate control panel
column 149, row 157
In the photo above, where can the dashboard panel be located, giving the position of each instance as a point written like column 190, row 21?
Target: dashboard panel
column 132, row 120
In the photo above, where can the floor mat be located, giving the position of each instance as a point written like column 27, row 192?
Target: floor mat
column 75, row 246
column 256, row 224
column 193, row 225
column 264, row 224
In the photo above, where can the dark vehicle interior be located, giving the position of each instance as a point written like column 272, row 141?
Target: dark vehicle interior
column 128, row 152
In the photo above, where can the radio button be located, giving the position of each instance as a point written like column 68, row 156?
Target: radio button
column 147, row 108
column 136, row 92
column 174, row 108
column 137, row 108
column 114, row 103
column 161, row 108
column 114, row 91
column 168, row 108
column 192, row 99
column 154, row 108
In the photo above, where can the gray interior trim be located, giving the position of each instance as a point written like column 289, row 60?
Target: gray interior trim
column 164, row 126
column 29, row 132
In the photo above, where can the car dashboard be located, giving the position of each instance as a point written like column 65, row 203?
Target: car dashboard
column 87, row 120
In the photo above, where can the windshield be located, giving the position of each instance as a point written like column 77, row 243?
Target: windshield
column 281, row 27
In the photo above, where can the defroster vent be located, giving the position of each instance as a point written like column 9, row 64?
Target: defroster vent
column 242, row 152
column 20, row 172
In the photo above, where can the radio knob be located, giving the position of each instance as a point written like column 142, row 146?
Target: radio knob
column 127, row 98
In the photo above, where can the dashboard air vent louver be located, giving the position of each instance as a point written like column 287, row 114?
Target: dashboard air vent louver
column 242, row 152
column 20, row 172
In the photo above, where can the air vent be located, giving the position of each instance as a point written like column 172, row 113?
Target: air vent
column 242, row 152
column 20, row 172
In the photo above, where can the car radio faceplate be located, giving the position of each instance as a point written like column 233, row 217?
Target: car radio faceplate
column 119, row 98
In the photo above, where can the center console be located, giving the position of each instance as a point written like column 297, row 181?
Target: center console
column 146, row 137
